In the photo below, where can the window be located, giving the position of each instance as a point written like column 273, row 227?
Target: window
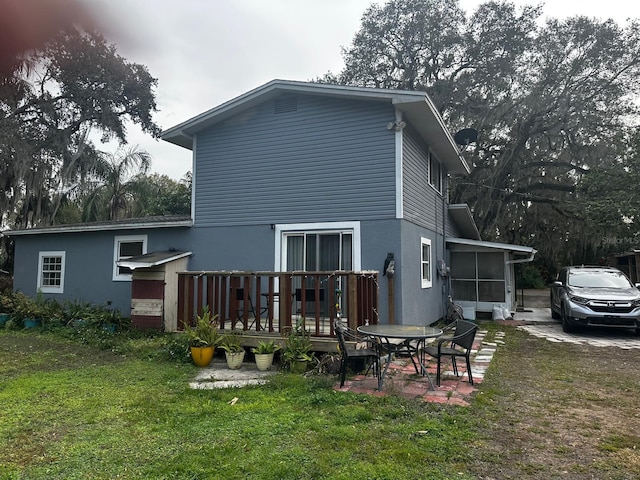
column 425, row 262
column 478, row 276
column 51, row 272
column 318, row 246
column 127, row 246
column 319, row 251
column 435, row 174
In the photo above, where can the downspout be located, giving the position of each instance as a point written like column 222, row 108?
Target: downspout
column 446, row 281
column 520, row 260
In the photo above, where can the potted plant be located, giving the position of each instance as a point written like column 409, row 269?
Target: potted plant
column 233, row 349
column 264, row 354
column 297, row 352
column 6, row 307
column 27, row 311
column 203, row 337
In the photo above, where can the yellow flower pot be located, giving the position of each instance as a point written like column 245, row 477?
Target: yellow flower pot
column 202, row 355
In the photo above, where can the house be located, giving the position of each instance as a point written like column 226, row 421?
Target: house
column 300, row 177
column 627, row 261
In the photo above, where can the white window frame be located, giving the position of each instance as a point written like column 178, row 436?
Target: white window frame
column 324, row 227
column 435, row 180
column 117, row 241
column 426, row 282
column 51, row 288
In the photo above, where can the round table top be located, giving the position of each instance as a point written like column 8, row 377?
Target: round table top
column 400, row 331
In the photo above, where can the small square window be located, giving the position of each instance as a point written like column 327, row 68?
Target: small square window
column 127, row 246
column 425, row 263
column 51, row 272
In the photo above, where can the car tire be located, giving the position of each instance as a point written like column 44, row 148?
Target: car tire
column 566, row 326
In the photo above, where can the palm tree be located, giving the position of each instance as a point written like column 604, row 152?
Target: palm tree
column 116, row 184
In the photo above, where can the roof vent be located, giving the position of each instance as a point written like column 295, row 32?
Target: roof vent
column 286, row 104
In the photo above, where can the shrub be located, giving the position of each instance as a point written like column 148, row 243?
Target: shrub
column 529, row 277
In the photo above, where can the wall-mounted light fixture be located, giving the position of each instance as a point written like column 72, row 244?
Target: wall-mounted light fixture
column 397, row 126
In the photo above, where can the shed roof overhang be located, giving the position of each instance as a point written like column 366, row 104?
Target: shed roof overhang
column 417, row 109
column 128, row 224
column 462, row 217
column 462, row 244
column 152, row 259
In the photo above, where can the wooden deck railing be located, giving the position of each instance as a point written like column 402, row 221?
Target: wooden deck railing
column 274, row 301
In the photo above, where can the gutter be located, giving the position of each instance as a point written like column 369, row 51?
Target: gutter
column 523, row 260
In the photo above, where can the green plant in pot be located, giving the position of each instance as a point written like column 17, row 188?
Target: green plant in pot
column 6, row 307
column 28, row 312
column 203, row 337
column 234, row 351
column 264, row 353
column 297, row 352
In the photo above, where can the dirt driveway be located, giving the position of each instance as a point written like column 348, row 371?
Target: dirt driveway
column 560, row 406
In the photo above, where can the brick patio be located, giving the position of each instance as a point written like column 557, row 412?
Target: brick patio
column 401, row 378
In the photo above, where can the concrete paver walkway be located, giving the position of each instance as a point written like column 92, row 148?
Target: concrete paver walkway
column 218, row 375
column 597, row 337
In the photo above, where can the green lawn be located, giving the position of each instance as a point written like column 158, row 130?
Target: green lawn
column 90, row 405
column 73, row 411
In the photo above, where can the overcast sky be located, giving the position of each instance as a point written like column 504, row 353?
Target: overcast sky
column 205, row 52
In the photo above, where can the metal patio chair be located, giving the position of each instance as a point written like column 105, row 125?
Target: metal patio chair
column 456, row 341
column 349, row 352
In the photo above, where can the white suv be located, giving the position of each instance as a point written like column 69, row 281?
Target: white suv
column 595, row 296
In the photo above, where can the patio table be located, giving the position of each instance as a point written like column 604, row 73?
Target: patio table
column 410, row 336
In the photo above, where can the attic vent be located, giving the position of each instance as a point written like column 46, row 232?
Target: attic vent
column 286, row 105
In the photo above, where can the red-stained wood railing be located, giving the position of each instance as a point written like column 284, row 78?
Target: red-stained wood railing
column 274, row 301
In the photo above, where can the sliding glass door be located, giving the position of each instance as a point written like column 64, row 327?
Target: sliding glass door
column 318, row 251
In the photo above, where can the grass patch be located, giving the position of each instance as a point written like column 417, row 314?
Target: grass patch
column 93, row 405
column 75, row 411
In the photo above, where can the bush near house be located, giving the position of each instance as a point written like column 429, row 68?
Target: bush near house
column 529, row 276
column 55, row 313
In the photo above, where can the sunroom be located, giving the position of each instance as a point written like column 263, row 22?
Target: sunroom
column 482, row 274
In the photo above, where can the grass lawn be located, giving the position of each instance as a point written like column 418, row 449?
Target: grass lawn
column 69, row 410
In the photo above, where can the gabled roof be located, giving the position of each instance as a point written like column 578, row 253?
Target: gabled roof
column 125, row 224
column 417, row 109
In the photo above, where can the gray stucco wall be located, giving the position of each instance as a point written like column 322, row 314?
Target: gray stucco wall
column 233, row 248
column 420, row 305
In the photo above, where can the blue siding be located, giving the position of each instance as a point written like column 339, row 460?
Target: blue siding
column 422, row 204
column 331, row 160
column 451, row 227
